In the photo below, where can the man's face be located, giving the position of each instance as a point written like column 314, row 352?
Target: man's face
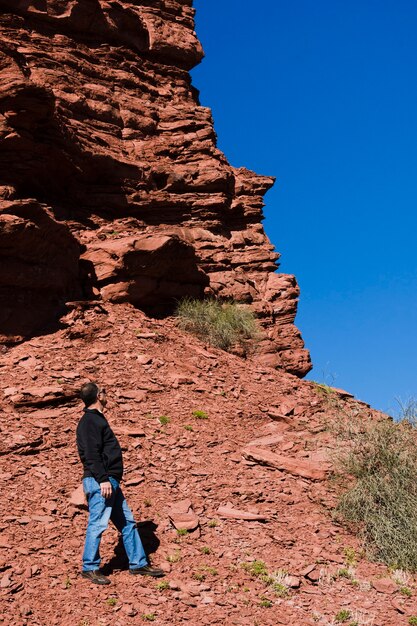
column 102, row 397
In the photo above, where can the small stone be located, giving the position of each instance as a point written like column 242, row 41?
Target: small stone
column 384, row 585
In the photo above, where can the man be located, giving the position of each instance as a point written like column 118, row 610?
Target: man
column 101, row 456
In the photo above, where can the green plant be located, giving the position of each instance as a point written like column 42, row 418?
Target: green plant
column 68, row 583
column 323, row 388
column 412, row 620
column 381, row 458
column 199, row 576
column 205, row 550
column 210, row 570
column 174, row 558
column 182, row 532
column 278, row 581
column 188, row 427
column 350, row 556
column 406, row 591
column 280, row 589
column 213, row 523
column 343, row 615
column 223, row 325
column 111, row 601
column 256, row 568
column 265, row 603
column 164, row 420
column 149, row 617
column 200, row 415
column 162, row 585
column 343, row 572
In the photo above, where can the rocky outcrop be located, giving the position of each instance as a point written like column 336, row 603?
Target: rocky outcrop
column 99, row 124
column 233, row 507
column 39, row 267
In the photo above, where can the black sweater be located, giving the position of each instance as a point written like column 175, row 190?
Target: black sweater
column 99, row 450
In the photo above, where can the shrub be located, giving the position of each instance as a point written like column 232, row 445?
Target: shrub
column 381, row 457
column 223, row 325
column 200, row 415
column 163, row 585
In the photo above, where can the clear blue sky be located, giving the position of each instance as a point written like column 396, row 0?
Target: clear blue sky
column 322, row 94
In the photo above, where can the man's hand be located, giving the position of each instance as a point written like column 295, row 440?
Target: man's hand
column 106, row 489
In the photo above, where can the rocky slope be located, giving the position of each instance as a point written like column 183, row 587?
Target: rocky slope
column 111, row 184
column 252, row 482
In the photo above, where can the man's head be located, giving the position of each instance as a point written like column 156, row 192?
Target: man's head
column 91, row 394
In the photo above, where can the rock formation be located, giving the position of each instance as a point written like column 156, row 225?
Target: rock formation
column 250, row 484
column 111, row 184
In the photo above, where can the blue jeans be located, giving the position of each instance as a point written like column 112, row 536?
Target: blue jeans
column 101, row 510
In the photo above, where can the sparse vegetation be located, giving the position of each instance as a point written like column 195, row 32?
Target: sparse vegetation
column 256, row 568
column 277, row 581
column 164, row 420
column 205, row 550
column 323, row 389
column 342, row 616
column 199, row 576
column 343, row 572
column 162, row 585
column 147, row 503
column 210, row 570
column 200, row 415
column 213, row 523
column 381, row 457
column 111, row 601
column 402, row 578
column 149, row 617
column 350, row 556
column 406, row 591
column 412, row 620
column 265, row 603
column 182, row 532
column 223, row 325
column 188, row 427
column 174, row 558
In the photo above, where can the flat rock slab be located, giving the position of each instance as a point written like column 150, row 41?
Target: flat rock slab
column 77, row 498
column 297, row 467
column 231, row 513
column 268, row 440
column 384, row 585
column 131, row 432
column 182, row 515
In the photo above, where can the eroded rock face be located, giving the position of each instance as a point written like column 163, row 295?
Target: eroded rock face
column 39, row 267
column 99, row 122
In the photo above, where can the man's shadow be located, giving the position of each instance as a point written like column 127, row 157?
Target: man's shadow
column 150, row 543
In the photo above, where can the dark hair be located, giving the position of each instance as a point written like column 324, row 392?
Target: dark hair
column 89, row 393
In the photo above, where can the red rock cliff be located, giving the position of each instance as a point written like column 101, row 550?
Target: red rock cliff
column 111, row 183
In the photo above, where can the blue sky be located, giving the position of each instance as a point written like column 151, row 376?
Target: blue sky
column 323, row 95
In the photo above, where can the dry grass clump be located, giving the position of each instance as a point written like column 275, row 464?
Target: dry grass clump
column 223, row 325
column 381, row 456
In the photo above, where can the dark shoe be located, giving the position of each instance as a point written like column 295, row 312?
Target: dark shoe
column 147, row 570
column 96, row 577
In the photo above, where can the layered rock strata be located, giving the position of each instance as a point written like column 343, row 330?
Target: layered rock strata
column 102, row 131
